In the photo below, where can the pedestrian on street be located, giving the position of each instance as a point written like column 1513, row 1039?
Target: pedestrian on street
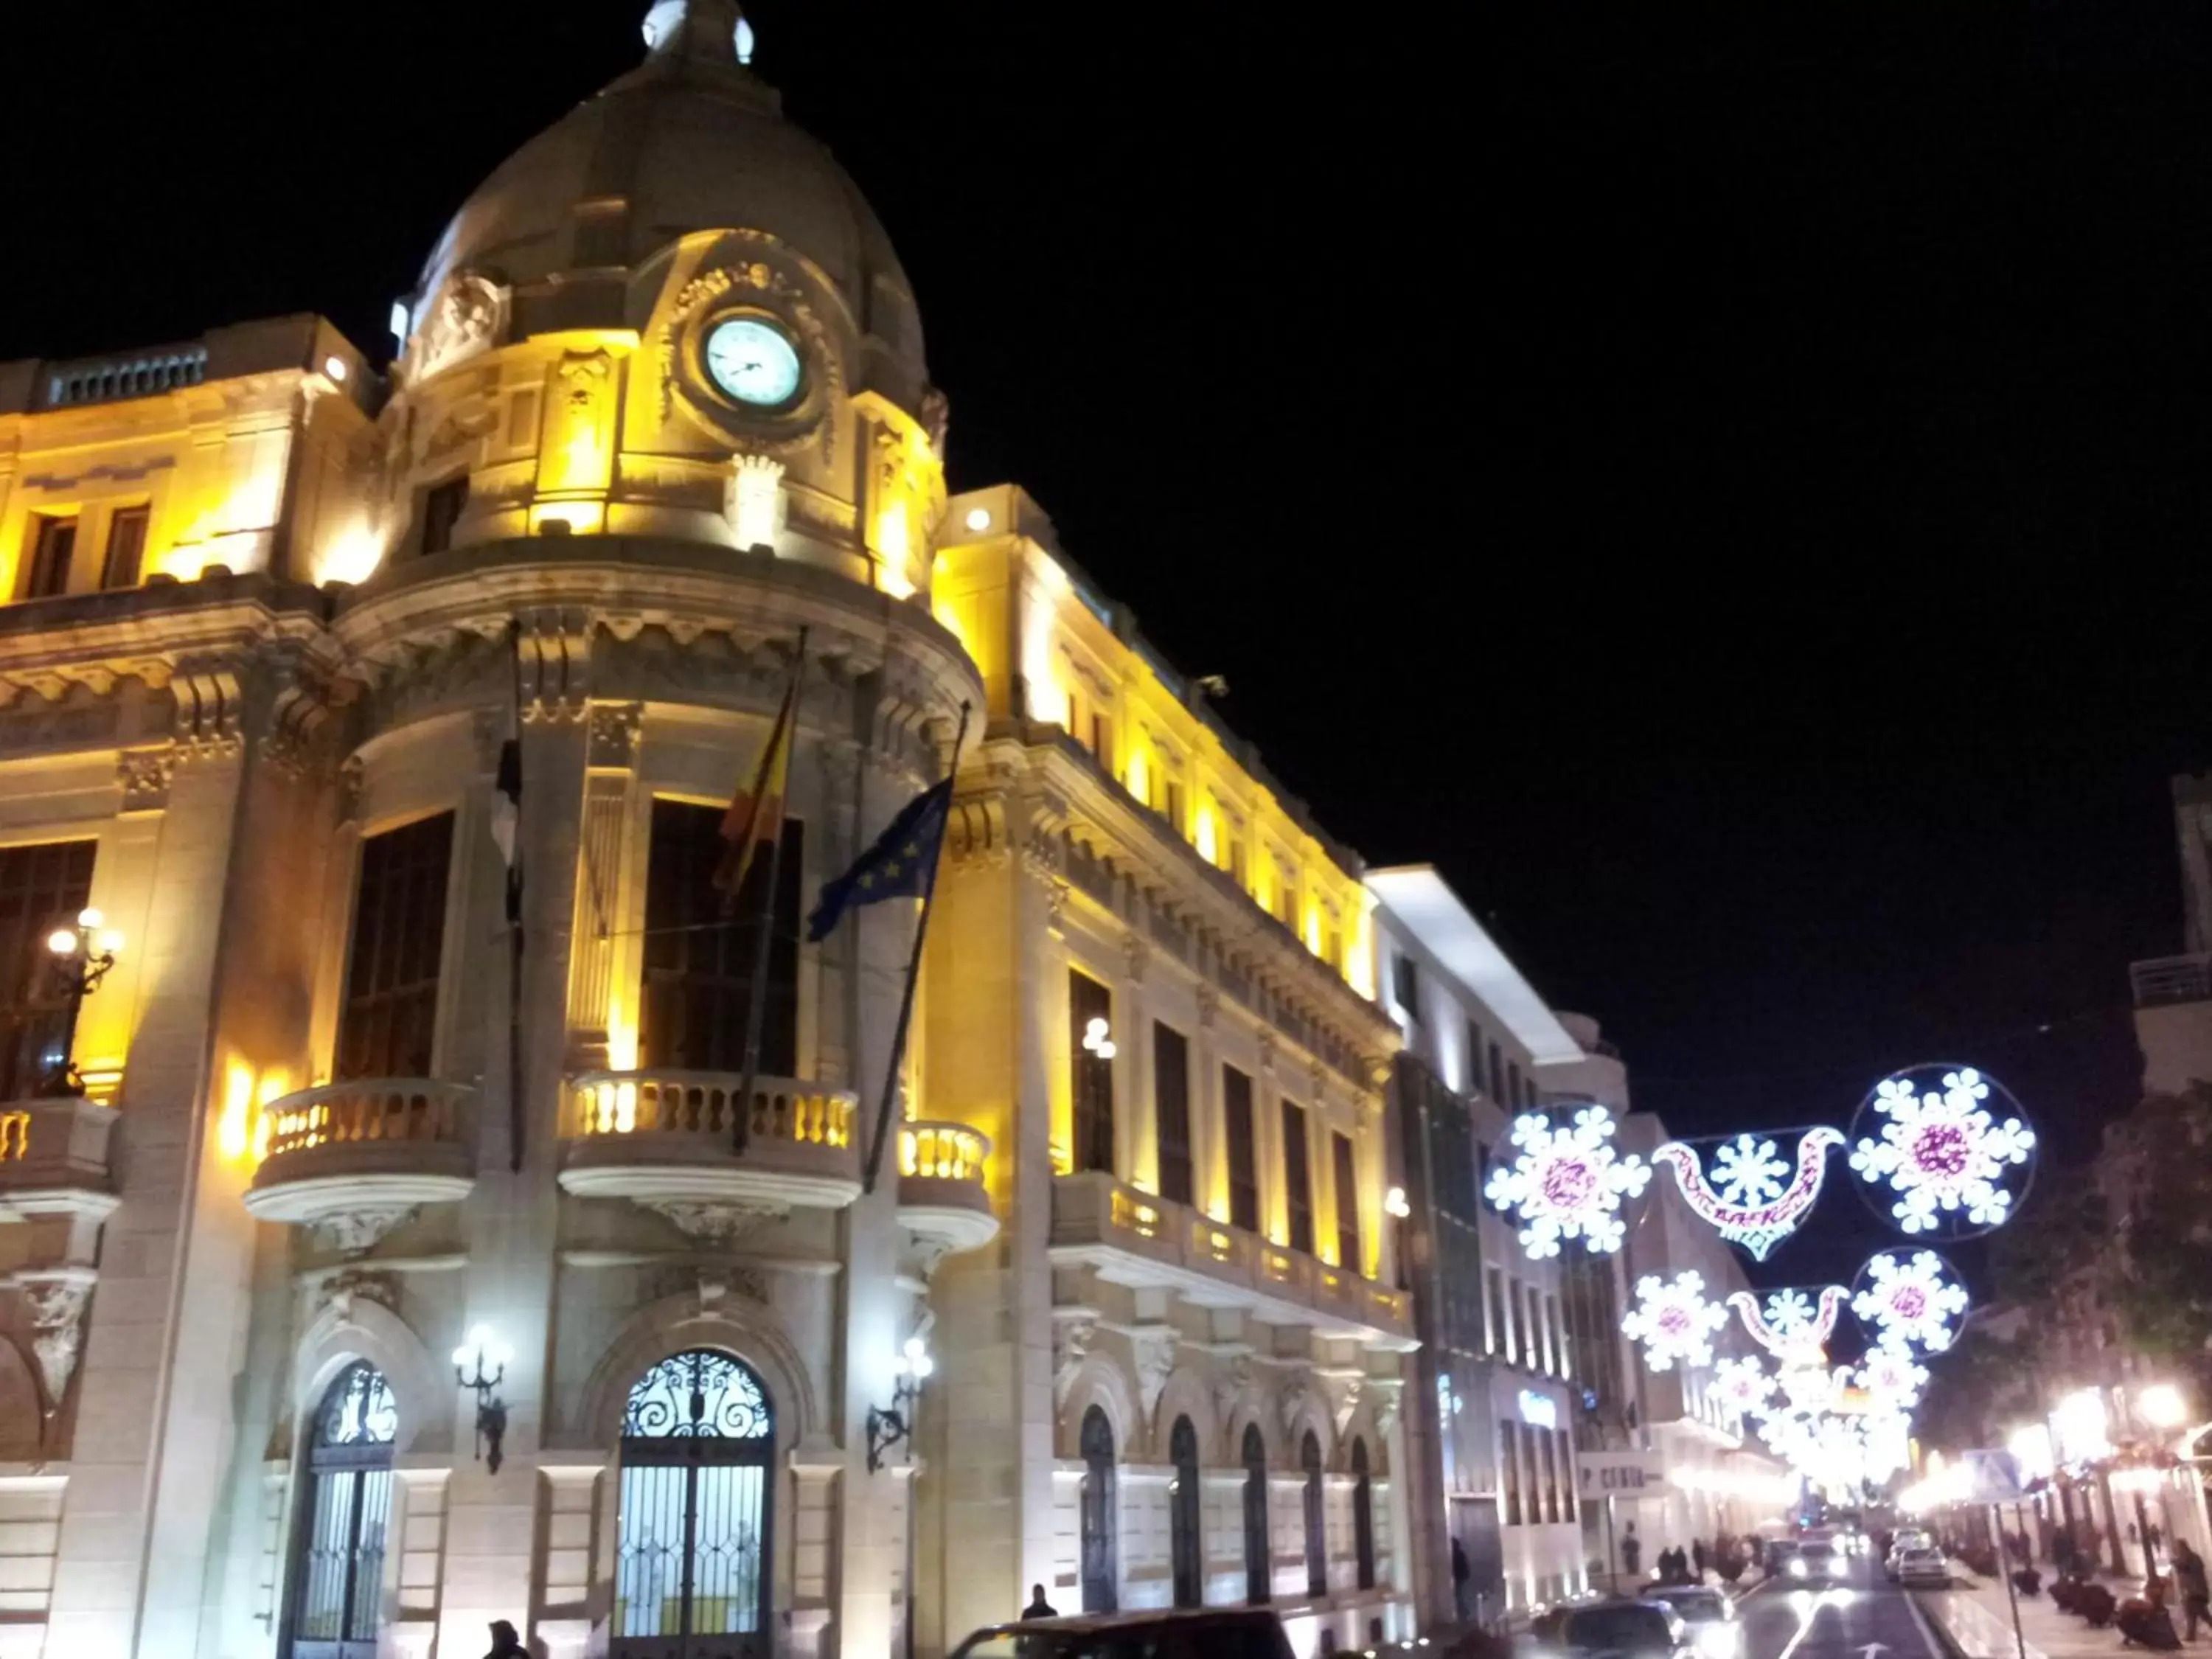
column 1459, row 1580
column 1631, row 1551
column 505, row 1643
column 1697, row 1558
column 1038, row 1606
column 2188, row 1580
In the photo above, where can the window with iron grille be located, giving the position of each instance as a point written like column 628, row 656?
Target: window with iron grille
column 42, row 887
column 337, row 1581
column 1259, row 1586
column 1171, row 1107
column 693, row 1560
column 1096, row 1515
column 1363, row 1516
column 1185, row 1528
column 700, row 947
column 1347, row 1203
column 388, row 1025
column 1298, row 1176
column 1244, row 1160
column 1316, row 1517
column 1090, row 1020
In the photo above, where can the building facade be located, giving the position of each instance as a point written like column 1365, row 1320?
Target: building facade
column 391, row 722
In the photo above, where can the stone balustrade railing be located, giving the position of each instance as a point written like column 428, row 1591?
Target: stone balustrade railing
column 943, row 1151
column 706, row 1104
column 370, row 1110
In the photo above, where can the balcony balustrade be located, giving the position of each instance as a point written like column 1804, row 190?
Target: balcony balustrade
column 1135, row 1238
column 53, row 1159
column 942, row 1197
column 354, row 1159
column 2163, row 982
column 667, row 1140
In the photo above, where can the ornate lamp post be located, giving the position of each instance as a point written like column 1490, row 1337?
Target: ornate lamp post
column 480, row 1365
column 888, row 1426
column 82, row 955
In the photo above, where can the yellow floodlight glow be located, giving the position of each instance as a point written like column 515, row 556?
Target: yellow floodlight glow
column 2161, row 1406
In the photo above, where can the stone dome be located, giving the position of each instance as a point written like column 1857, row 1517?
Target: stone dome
column 689, row 141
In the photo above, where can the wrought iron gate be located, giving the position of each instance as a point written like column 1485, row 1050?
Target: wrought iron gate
column 337, row 1563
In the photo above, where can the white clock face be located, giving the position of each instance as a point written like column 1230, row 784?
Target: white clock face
column 753, row 361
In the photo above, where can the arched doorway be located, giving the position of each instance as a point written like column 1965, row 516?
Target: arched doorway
column 1363, row 1516
column 1184, row 1523
column 1258, row 1575
column 1316, row 1518
column 693, row 1572
column 1097, row 1513
column 338, row 1553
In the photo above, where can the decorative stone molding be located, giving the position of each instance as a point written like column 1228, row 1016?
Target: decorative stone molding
column 56, row 1298
column 1230, row 1382
column 1153, row 1349
column 752, row 500
column 344, row 1290
column 357, row 1231
column 716, row 1223
column 1390, row 1393
column 749, row 264
column 613, row 735
column 1343, row 1391
column 1072, row 1332
column 1209, row 1007
column 1266, row 1047
column 555, row 646
column 1137, row 953
column 349, row 780
column 1297, row 1397
column 469, row 316
column 721, row 1280
column 145, row 775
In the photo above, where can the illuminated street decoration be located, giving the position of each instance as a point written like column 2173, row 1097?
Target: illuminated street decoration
column 1893, row 1380
column 1791, row 1328
column 1567, row 1184
column 1940, row 1152
column 1674, row 1320
column 1747, row 1201
column 1743, row 1385
column 1911, row 1301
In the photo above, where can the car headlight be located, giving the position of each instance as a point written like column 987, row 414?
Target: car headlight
column 1796, row 1567
column 1718, row 1639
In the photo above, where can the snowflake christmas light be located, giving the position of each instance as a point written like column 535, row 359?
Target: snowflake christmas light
column 1673, row 1320
column 1743, row 1385
column 1567, row 1184
column 1942, row 1152
column 1911, row 1301
column 1753, row 1198
column 1893, row 1380
column 1789, row 1313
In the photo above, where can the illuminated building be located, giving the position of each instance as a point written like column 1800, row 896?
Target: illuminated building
column 660, row 426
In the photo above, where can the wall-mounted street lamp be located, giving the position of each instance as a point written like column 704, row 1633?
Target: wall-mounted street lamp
column 480, row 1364
column 82, row 957
column 889, row 1425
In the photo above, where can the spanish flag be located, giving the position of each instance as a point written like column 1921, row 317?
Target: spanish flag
column 754, row 819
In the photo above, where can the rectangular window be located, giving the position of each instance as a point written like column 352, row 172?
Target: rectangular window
column 1549, row 1454
column 1406, row 984
column 1509, row 1468
column 1347, row 1203
column 1566, row 1446
column 1174, row 806
column 1496, row 1317
column 1101, row 740
column 700, row 947
column 1244, row 1161
column 1534, row 1353
column 388, row 1026
column 1513, row 1096
column 126, row 548
column 441, row 510
column 1509, row 1326
column 1298, row 1176
column 1496, row 1075
column 1090, row 1021
column 1236, row 858
column 1171, row 1106
column 41, row 888
column 51, row 544
column 1558, row 1336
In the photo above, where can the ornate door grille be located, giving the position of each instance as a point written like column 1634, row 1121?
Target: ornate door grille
column 1098, row 1517
column 693, row 1568
column 338, row 1569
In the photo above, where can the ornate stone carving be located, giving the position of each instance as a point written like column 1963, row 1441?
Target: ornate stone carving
column 721, row 1280
column 1072, row 1335
column 1267, row 1046
column 1209, row 1007
column 1390, row 1393
column 1229, row 1385
column 351, row 1284
column 1152, row 1348
column 469, row 316
column 353, row 1232
column 1137, row 953
column 752, row 500
column 614, row 731
column 56, row 1298
column 144, row 774
column 716, row 1223
column 936, row 417
column 556, row 654
column 349, row 776
column 1343, row 1390
column 1297, row 1394
column 747, row 263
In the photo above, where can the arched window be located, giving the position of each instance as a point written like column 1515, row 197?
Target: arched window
column 1316, row 1526
column 337, row 1558
column 1258, row 1585
column 1183, row 1522
column 1363, row 1516
column 1096, row 1506
column 691, row 1557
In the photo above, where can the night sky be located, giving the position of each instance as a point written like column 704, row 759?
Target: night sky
column 1738, row 501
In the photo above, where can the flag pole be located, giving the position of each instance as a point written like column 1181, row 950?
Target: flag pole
column 906, row 995
column 757, row 992
column 514, row 1112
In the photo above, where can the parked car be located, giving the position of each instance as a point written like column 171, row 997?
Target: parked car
column 1909, row 1538
column 1815, row 1563
column 1197, row 1634
column 1709, row 1615
column 1618, row 1627
column 1923, row 1563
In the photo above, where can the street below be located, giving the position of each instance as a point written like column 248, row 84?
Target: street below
column 1863, row 1616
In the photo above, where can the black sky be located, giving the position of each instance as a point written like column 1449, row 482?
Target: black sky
column 1732, row 488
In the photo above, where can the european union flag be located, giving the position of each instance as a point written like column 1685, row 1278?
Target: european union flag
column 897, row 867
